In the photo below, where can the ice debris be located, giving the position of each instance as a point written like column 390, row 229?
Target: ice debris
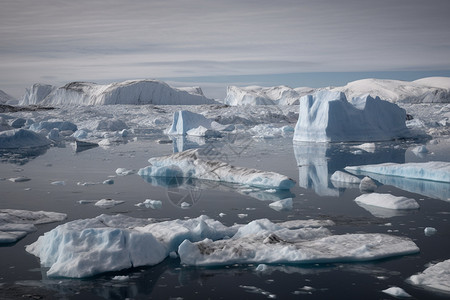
column 387, row 201
column 367, row 185
column 22, row 138
column 107, row 203
column 284, row 204
column 124, row 171
column 188, row 164
column 149, row 203
column 433, row 170
column 396, row 292
column 429, row 231
column 435, row 277
column 328, row 117
column 343, row 177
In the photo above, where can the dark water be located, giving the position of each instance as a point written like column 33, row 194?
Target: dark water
column 314, row 196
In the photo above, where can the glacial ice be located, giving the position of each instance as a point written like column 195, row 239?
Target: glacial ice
column 256, row 95
column 433, row 170
column 387, row 201
column 22, row 138
column 340, row 176
column 283, row 204
column 60, row 125
column 435, row 277
column 328, row 117
column 15, row 224
column 126, row 92
column 188, row 164
column 184, row 121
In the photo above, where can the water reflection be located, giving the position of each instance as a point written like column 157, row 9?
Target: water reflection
column 318, row 161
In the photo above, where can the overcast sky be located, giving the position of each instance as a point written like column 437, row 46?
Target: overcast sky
column 58, row 41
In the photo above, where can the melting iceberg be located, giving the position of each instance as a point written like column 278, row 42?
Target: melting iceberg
column 435, row 277
column 261, row 241
column 126, row 92
column 328, row 117
column 187, row 164
column 433, row 170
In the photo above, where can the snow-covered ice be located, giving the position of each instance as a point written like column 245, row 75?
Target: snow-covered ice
column 256, row 95
column 435, row 277
column 433, row 170
column 283, row 204
column 107, row 203
column 328, row 117
column 387, row 201
column 396, row 292
column 22, row 138
column 188, row 164
column 149, row 203
column 15, row 224
column 126, row 92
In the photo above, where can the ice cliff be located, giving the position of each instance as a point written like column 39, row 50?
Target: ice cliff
column 328, row 117
column 126, row 92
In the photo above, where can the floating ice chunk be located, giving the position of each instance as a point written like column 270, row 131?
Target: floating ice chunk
column 436, row 277
column 22, row 138
column 81, row 134
column 261, row 268
column 54, row 135
column 340, row 176
column 220, row 127
column 396, row 292
column 242, row 216
column 184, row 120
column 203, row 131
column 107, row 203
column 111, row 125
column 18, row 123
column 367, row 185
column 429, row 231
column 19, row 179
column 368, row 147
column 108, row 181
column 149, row 203
column 387, row 201
column 284, row 204
column 185, row 205
column 268, row 131
column 124, row 172
column 294, row 248
column 328, row 117
column 187, row 164
column 121, row 278
column 59, row 182
column 433, row 170
column 60, row 125
column 420, row 150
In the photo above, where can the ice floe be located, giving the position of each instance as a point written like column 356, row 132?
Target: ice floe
column 396, row 292
column 126, row 92
column 387, row 201
column 22, row 138
column 433, row 170
column 107, row 203
column 328, row 117
column 188, row 164
column 435, row 277
column 15, row 224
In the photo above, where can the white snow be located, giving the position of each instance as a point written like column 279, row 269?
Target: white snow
column 328, row 117
column 262, row 242
column 15, row 224
column 396, row 292
column 188, row 164
column 126, row 92
column 256, row 95
column 283, row 204
column 436, row 277
column 387, row 201
column 433, row 170
column 22, row 138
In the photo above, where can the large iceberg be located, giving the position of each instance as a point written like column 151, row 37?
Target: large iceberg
column 433, row 170
column 185, row 120
column 188, row 164
column 328, row 117
column 22, row 138
column 256, row 95
column 126, row 92
column 261, row 241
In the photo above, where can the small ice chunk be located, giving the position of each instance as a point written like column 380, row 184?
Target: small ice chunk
column 124, row 172
column 19, row 179
column 108, row 181
column 396, row 292
column 420, row 150
column 203, row 132
column 154, row 204
column 222, row 215
column 434, row 277
column 241, row 216
column 387, row 201
column 185, row 205
column 340, row 176
column 429, row 231
column 59, row 182
column 121, row 278
column 173, row 254
column 367, row 185
column 368, row 147
column 284, row 204
column 107, row 203
column 261, row 268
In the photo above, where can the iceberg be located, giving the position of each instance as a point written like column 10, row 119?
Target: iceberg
column 187, row 164
column 433, row 170
column 343, row 177
column 86, row 247
column 396, row 292
column 15, row 224
column 60, row 125
column 256, row 95
column 263, row 242
column 7, row 99
column 126, row 92
column 435, row 277
column 22, row 138
column 328, row 117
column 387, row 201
column 184, row 121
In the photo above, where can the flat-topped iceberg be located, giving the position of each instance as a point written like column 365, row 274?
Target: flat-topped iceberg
column 435, row 277
column 328, row 117
column 188, row 164
column 126, row 92
column 261, row 241
column 433, row 170
column 387, row 201
column 22, row 138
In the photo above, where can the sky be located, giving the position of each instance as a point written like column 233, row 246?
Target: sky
column 221, row 42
